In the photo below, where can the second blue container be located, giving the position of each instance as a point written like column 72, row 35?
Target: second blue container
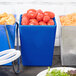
column 37, row 44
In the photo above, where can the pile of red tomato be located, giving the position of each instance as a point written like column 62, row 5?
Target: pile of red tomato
column 37, row 17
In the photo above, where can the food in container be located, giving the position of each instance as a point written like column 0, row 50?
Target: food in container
column 68, row 39
column 37, row 17
column 68, row 20
column 7, row 19
column 56, row 72
column 37, row 45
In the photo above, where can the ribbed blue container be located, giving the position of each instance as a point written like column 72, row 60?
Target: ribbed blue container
column 37, row 44
column 3, row 38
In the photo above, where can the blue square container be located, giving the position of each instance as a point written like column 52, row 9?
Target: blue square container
column 37, row 44
column 3, row 38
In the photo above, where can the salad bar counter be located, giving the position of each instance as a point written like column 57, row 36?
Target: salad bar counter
column 37, row 31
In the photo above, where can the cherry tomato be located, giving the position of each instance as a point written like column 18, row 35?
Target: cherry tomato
column 24, row 15
column 46, row 18
column 51, row 22
column 42, row 23
column 39, row 11
column 31, row 10
column 33, row 21
column 24, row 21
column 31, row 13
column 40, row 16
column 46, row 13
column 50, row 14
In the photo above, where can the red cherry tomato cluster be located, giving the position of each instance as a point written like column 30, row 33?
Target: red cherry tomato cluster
column 37, row 17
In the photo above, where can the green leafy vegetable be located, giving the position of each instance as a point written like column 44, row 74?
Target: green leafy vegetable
column 56, row 72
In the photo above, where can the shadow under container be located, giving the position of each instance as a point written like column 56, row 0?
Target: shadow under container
column 37, row 44
column 68, row 45
column 3, row 38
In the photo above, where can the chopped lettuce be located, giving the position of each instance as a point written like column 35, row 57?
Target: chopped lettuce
column 56, row 72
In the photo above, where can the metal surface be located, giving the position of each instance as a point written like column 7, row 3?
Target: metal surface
column 68, row 45
column 16, row 63
column 7, row 36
